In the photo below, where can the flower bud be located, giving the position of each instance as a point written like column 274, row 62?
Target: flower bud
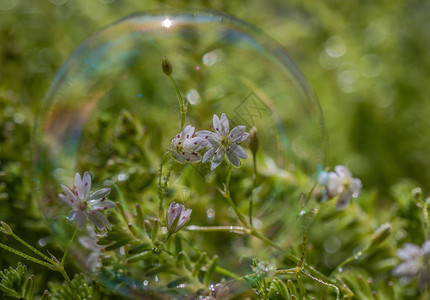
column 5, row 228
column 417, row 193
column 177, row 217
column 166, row 66
column 381, row 234
column 254, row 140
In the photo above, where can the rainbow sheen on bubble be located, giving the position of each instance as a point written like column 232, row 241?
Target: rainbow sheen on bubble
column 112, row 111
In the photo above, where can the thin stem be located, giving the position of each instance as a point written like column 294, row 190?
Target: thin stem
column 158, row 248
column 234, row 229
column 34, row 250
column 304, row 248
column 323, row 283
column 350, row 259
column 226, row 272
column 69, row 283
column 161, row 194
column 230, row 201
column 181, row 101
column 286, row 271
column 254, row 184
column 68, row 247
column 425, row 220
column 26, row 256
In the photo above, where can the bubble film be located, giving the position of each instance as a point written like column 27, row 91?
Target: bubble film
column 112, row 111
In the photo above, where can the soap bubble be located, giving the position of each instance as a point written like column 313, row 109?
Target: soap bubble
column 112, row 111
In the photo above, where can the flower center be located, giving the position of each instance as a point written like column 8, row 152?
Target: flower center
column 83, row 206
column 225, row 141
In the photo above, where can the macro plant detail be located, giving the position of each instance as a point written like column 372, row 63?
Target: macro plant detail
column 85, row 205
column 205, row 177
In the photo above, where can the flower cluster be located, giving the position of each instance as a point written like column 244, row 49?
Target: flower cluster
column 416, row 264
column 85, row 205
column 340, row 183
column 218, row 142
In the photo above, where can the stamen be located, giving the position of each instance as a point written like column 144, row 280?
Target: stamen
column 188, row 136
column 206, row 136
column 178, row 136
column 188, row 159
column 179, row 143
column 195, row 143
column 86, row 183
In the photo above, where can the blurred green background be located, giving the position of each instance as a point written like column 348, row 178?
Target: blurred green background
column 367, row 62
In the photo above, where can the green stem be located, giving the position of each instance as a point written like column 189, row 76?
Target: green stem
column 350, row 259
column 234, row 229
column 254, row 183
column 181, row 101
column 425, row 220
column 68, row 247
column 323, row 283
column 230, row 201
column 161, row 193
column 304, row 246
column 226, row 272
column 158, row 248
column 34, row 250
column 26, row 256
column 69, row 283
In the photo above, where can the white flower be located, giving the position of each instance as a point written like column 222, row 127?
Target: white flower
column 223, row 141
column 185, row 146
column 177, row 217
column 340, row 183
column 416, row 264
column 85, row 205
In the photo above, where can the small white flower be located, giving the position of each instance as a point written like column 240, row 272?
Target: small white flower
column 185, row 146
column 177, row 217
column 85, row 205
column 340, row 183
column 223, row 141
column 416, row 264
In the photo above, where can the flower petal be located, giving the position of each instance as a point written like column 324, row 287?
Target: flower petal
column 101, row 204
column 225, row 127
column 208, row 155
column 187, row 132
column 408, row 251
column 355, row 187
column 237, row 132
column 66, row 200
column 233, row 158
column 178, row 157
column 240, row 138
column 343, row 200
column 72, row 215
column 99, row 220
column 216, row 123
column 102, row 193
column 210, row 136
column 80, row 219
column 69, row 194
column 218, row 157
column 79, row 186
column 238, row 151
column 86, row 184
column 183, row 219
column 343, row 172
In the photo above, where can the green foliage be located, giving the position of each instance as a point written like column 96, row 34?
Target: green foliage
column 17, row 283
column 85, row 287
